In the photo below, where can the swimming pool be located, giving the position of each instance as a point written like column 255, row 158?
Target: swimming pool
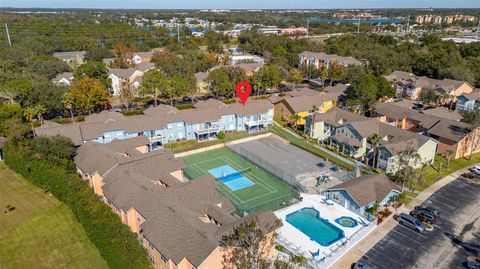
column 347, row 222
column 309, row 222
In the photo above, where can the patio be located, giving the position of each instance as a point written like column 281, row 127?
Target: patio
column 320, row 256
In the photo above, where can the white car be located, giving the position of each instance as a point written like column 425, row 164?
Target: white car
column 475, row 170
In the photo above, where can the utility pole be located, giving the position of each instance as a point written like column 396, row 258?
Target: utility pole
column 408, row 24
column 358, row 26
column 478, row 27
column 178, row 33
column 8, row 35
column 308, row 26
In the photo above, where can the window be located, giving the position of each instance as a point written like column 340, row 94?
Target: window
column 335, row 197
column 163, row 258
column 152, row 259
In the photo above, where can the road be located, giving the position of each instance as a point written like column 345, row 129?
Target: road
column 455, row 236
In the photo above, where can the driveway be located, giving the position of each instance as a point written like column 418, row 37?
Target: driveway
column 455, row 236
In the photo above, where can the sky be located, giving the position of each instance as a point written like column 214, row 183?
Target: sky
column 242, row 4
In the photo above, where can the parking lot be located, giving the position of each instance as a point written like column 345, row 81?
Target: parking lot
column 455, row 236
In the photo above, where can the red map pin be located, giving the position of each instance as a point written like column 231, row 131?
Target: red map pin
column 243, row 90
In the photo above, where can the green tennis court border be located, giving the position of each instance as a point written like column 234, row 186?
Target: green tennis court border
column 268, row 192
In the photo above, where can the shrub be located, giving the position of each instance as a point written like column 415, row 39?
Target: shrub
column 221, row 135
column 114, row 240
column 132, row 112
column 184, row 106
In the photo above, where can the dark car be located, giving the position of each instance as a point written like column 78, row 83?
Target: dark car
column 361, row 265
column 424, row 216
column 411, row 222
column 429, row 209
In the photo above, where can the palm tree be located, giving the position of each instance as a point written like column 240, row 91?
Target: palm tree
column 41, row 110
column 374, row 139
column 448, row 156
column 295, row 118
column 29, row 113
column 407, row 161
column 68, row 103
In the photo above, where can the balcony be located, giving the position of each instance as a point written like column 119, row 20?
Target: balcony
column 156, row 138
column 208, row 130
column 251, row 123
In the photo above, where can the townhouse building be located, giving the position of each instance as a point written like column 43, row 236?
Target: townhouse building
column 301, row 103
column 165, row 124
column 321, row 60
column 450, row 134
column 468, row 101
column 180, row 223
column 64, row 78
column 120, row 77
column 351, row 134
column 409, row 85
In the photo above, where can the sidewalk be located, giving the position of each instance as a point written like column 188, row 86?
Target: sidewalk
column 353, row 163
column 359, row 250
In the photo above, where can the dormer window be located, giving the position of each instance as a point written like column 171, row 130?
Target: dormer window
column 158, row 182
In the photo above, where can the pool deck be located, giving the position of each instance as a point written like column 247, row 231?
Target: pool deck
column 300, row 244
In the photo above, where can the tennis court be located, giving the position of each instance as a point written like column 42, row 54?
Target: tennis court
column 249, row 187
column 231, row 178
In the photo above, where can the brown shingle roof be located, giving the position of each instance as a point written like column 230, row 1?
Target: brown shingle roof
column 368, row 188
column 331, row 57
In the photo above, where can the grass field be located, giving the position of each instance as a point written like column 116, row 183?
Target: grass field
column 40, row 232
column 268, row 192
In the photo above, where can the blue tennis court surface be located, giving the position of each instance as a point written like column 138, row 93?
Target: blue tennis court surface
column 231, row 177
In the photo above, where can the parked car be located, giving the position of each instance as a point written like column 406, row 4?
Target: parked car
column 475, row 170
column 361, row 265
column 411, row 222
column 429, row 209
column 473, row 265
column 424, row 216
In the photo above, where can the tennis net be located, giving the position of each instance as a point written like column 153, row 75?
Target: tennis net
column 235, row 175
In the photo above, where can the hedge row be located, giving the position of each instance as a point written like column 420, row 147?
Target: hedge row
column 116, row 243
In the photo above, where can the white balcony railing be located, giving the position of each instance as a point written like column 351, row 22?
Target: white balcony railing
column 256, row 122
column 208, row 130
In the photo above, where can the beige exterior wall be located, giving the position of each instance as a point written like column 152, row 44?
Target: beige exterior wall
column 178, row 175
column 282, row 111
column 142, row 149
column 97, row 183
column 134, row 220
column 463, row 148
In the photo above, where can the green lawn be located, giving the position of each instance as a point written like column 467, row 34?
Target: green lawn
column 431, row 173
column 268, row 192
column 187, row 145
column 40, row 232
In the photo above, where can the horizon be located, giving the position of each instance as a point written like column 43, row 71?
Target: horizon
column 244, row 5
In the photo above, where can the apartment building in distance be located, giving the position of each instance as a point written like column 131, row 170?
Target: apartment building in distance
column 409, row 85
column 322, row 60
column 180, row 223
column 165, row 124
column 460, row 137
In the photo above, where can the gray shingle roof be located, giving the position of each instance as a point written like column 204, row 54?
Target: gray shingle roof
column 441, row 127
column 308, row 102
column 443, row 112
column 368, row 188
column 154, row 119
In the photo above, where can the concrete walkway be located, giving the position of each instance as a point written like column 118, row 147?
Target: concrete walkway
column 359, row 250
column 353, row 163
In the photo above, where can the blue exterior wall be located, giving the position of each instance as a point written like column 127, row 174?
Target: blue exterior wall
column 342, row 198
column 180, row 130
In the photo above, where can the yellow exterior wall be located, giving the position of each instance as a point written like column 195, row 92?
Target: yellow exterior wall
column 283, row 112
